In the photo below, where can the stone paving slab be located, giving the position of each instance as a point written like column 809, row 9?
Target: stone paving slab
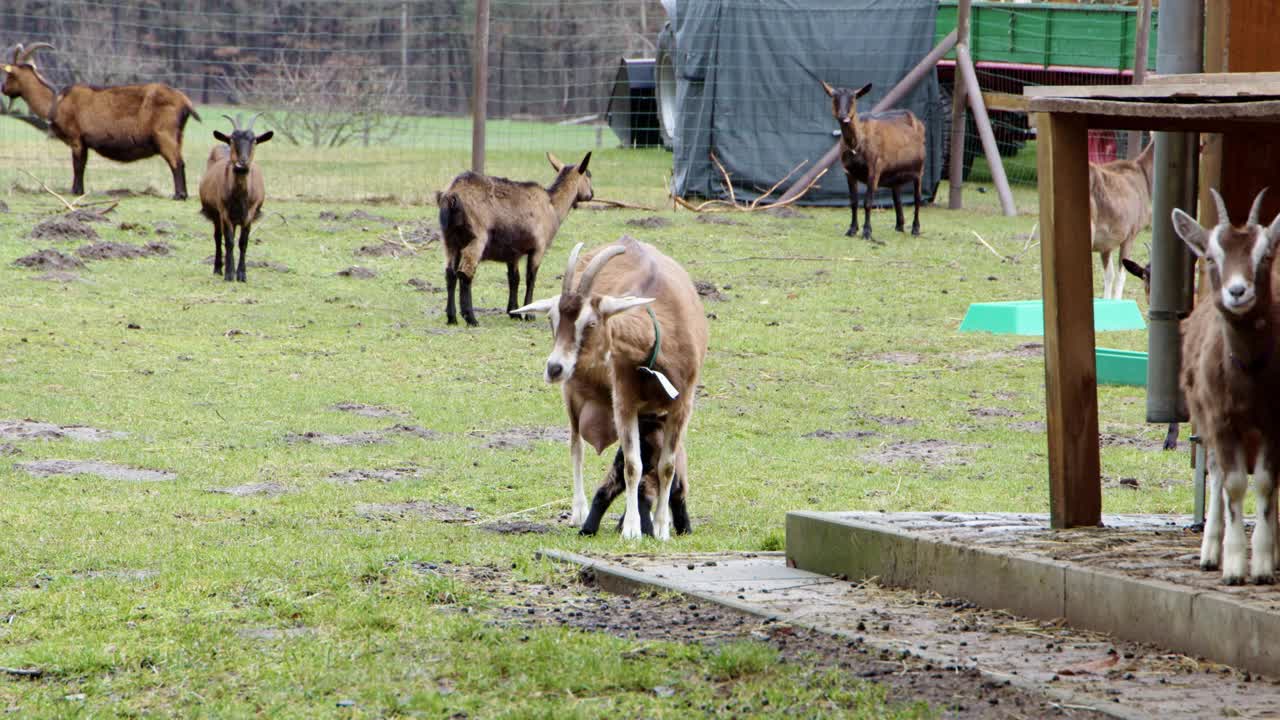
column 1077, row 668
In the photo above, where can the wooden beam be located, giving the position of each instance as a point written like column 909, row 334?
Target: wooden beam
column 1008, row 102
column 1140, row 41
column 1071, row 393
column 1214, row 78
column 1192, row 91
column 1257, row 111
column 955, row 199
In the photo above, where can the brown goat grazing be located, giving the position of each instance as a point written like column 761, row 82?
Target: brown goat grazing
column 231, row 193
column 617, row 366
column 1119, row 209
column 491, row 218
column 1230, row 379
column 885, row 148
column 123, row 123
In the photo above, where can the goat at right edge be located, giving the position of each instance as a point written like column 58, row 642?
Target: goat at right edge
column 1230, row 379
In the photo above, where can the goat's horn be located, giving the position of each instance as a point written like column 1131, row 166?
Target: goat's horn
column 235, row 125
column 1223, row 217
column 17, row 53
column 567, row 287
column 597, row 262
column 1257, row 207
column 249, row 127
column 27, row 53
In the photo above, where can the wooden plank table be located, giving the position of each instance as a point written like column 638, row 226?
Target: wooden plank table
column 1188, row 103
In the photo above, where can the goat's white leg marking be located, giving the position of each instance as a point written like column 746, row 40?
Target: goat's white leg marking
column 1211, row 543
column 673, row 435
column 1235, row 483
column 1106, row 275
column 1262, row 565
column 579, row 494
column 629, row 436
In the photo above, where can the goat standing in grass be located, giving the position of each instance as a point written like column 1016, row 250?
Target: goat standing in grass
column 885, row 148
column 1231, row 378
column 623, row 366
column 231, row 194
column 491, row 218
column 123, row 123
column 1119, row 209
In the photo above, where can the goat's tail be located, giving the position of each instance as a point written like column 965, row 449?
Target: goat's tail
column 450, row 210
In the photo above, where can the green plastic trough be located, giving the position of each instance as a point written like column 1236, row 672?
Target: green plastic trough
column 1121, row 367
column 1026, row 317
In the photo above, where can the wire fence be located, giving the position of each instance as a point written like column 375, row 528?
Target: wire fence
column 370, row 98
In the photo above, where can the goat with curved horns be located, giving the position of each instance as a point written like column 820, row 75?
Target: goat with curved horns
column 122, row 123
column 616, row 366
column 1230, row 348
column 231, row 193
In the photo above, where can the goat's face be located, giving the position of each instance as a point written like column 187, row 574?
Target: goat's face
column 13, row 79
column 1238, row 259
column 1142, row 272
column 578, row 175
column 579, row 319
column 242, row 144
column 844, row 102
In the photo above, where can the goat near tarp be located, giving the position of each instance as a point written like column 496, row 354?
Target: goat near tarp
column 747, row 87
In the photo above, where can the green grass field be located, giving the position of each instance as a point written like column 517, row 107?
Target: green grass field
column 161, row 599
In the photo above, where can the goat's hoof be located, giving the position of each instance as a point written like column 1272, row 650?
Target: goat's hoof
column 183, row 196
column 851, row 232
column 1263, row 579
column 915, row 230
column 587, row 533
column 471, row 322
column 900, row 228
column 451, row 321
column 1208, row 565
column 1232, row 579
column 1170, row 445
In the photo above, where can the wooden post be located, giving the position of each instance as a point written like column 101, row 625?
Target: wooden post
column 479, row 85
column 989, row 148
column 404, row 47
column 1071, row 392
column 891, row 98
column 956, row 197
column 1140, row 41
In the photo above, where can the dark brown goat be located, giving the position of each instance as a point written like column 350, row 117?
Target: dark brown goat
column 123, row 123
column 231, row 194
column 615, row 483
column 491, row 218
column 885, row 148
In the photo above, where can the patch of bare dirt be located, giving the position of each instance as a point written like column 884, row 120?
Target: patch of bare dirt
column 986, row 412
column 358, row 272
column 930, row 452
column 4, row 208
column 893, row 420
column 519, row 438
column 29, row 429
column 708, row 291
column 417, row 509
column 270, row 633
column 49, row 259
column 423, row 286
column 86, row 216
column 365, row 410
column 122, row 251
column 838, row 435
column 717, row 220
column 363, row 437
column 386, row 248
column 266, row 265
column 63, row 228
column 1031, row 426
column 1111, row 439
column 135, row 575
column 106, row 470
column 58, row 276
column 786, row 212
column 269, row 489
column 650, row 222
column 384, row 475
column 7, row 449
column 516, row 527
column 895, row 357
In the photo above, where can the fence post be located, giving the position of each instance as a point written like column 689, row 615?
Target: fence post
column 479, row 85
column 1140, row 42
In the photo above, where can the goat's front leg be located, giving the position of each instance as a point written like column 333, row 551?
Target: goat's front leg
column 468, row 263
column 451, row 282
column 217, row 247
column 244, row 246
column 873, row 184
column 897, row 209
column 531, row 264
column 915, row 222
column 79, row 158
column 1235, row 483
column 1211, row 542
column 229, row 243
column 1262, row 564
column 579, row 515
column 629, row 435
column 1105, row 256
column 1171, row 437
column 853, row 204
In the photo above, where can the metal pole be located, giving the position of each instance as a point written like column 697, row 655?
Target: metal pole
column 956, row 199
column 1180, row 50
column 404, row 47
column 1140, row 41
column 893, row 97
column 989, row 148
column 480, row 85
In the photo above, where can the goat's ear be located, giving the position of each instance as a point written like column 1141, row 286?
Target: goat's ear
column 555, row 161
column 830, row 90
column 1134, row 269
column 582, row 166
column 1191, row 232
column 264, row 137
column 541, row 307
column 610, row 305
column 217, row 135
column 862, row 91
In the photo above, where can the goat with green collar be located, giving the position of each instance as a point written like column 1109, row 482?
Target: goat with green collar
column 630, row 337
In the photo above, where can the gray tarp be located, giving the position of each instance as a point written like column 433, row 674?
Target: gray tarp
column 748, row 89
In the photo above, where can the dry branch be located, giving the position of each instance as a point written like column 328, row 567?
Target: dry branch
column 620, row 204
column 732, row 204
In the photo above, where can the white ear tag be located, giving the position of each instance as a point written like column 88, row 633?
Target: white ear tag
column 670, row 389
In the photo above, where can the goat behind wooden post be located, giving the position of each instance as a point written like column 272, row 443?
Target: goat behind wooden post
column 231, row 194
column 123, row 123
column 491, row 218
column 885, row 148
column 1119, row 209
column 1231, row 379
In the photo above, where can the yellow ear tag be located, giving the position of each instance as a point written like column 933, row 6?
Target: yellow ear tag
column 8, row 68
